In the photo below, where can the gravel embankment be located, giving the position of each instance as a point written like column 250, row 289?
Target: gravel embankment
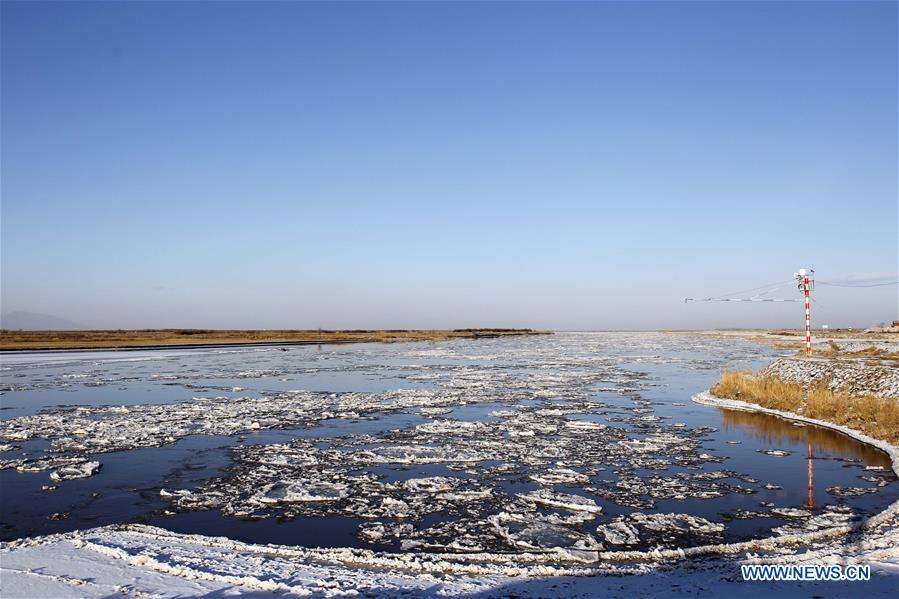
column 854, row 378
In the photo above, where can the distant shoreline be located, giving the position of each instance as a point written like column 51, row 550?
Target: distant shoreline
column 37, row 341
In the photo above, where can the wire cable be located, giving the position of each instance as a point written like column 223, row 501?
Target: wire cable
column 868, row 285
column 779, row 284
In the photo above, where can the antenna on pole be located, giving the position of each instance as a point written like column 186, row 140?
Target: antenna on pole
column 806, row 280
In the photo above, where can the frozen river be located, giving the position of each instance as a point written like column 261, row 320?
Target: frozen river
column 572, row 441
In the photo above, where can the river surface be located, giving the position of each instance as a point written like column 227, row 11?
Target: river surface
column 564, row 442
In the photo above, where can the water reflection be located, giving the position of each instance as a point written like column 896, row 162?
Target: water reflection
column 773, row 430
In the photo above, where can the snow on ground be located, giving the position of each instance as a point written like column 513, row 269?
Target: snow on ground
column 142, row 561
column 852, row 376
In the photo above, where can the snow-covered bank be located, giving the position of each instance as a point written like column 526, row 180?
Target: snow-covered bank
column 854, row 377
column 142, row 561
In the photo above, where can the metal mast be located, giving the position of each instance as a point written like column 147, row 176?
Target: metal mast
column 806, row 281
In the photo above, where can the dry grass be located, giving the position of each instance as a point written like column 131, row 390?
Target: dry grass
column 767, row 392
column 875, row 416
column 32, row 340
column 872, row 355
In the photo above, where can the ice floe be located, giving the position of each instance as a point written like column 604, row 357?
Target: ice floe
column 566, row 501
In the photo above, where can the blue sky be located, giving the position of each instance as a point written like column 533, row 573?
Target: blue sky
column 561, row 165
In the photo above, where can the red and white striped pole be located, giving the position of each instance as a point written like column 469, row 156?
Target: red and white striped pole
column 808, row 316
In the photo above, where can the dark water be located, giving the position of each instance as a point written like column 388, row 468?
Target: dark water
column 127, row 487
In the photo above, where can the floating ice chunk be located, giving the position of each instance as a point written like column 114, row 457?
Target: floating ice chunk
column 81, row 470
column 520, row 433
column 778, row 453
column 619, row 533
column 426, row 411
column 562, row 500
column 553, row 411
column 790, row 512
column 585, row 426
column 451, row 427
column 878, row 480
column 526, row 532
column 378, row 532
column 555, row 476
column 178, row 493
column 395, row 508
column 850, row 491
column 656, row 443
column 372, row 531
column 675, row 522
column 418, row 454
column 300, row 491
column 830, row 519
column 432, row 484
column 502, row 413
column 470, row 495
column 747, row 515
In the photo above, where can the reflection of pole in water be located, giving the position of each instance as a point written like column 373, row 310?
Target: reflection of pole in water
column 811, row 492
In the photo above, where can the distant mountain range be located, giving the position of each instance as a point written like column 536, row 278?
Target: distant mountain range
column 33, row 321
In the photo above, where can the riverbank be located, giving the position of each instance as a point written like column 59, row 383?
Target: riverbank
column 850, row 382
column 175, row 338
column 136, row 560
column 795, row 338
column 844, row 390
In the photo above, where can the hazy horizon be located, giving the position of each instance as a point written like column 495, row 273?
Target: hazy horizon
column 564, row 166
column 32, row 321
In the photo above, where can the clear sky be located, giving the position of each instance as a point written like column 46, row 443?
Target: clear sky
column 343, row 165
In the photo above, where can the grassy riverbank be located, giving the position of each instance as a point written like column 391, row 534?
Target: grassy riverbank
column 877, row 417
column 106, row 339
